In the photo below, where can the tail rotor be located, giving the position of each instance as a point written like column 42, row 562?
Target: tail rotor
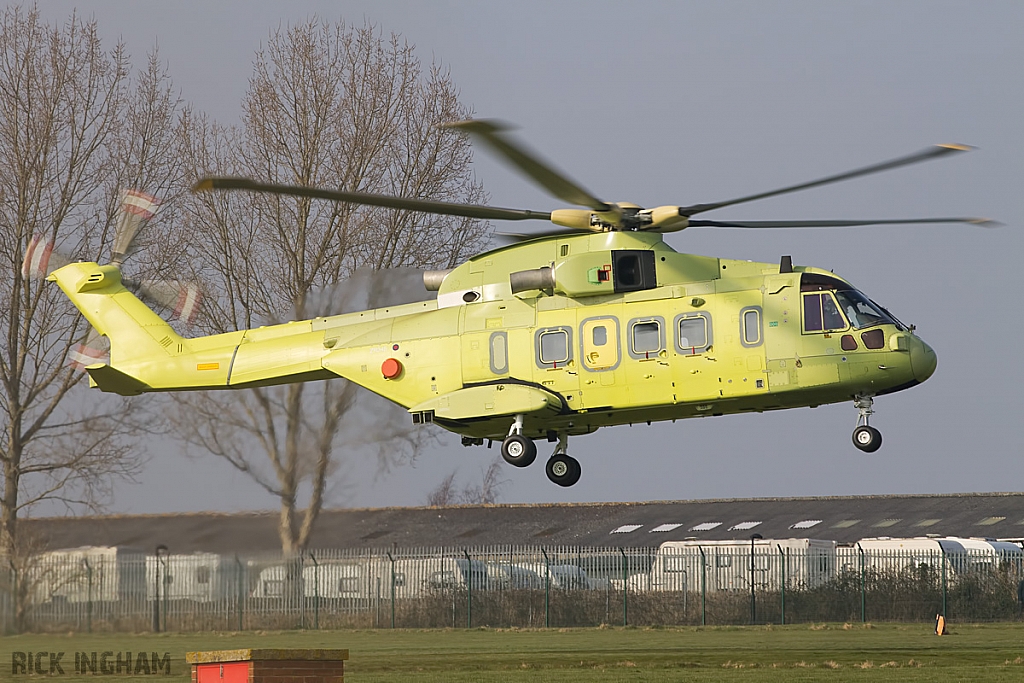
column 180, row 300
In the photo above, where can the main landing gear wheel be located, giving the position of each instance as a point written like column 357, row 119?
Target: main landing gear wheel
column 866, row 438
column 517, row 450
column 563, row 469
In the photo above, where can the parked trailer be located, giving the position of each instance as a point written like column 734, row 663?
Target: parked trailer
column 561, row 576
column 957, row 555
column 199, row 577
column 727, row 565
column 90, row 574
column 370, row 578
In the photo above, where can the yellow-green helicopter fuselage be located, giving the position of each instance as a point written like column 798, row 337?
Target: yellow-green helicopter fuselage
column 569, row 334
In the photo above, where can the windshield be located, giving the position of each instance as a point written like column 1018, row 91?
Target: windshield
column 862, row 311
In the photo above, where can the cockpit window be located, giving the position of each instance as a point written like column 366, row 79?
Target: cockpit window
column 862, row 311
column 821, row 313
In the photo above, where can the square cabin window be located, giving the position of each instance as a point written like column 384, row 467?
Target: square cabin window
column 693, row 332
column 554, row 347
column 647, row 337
column 600, row 335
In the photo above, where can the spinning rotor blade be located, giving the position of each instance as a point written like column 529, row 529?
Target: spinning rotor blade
column 182, row 299
column 931, row 153
column 137, row 208
column 41, row 259
column 95, row 349
column 698, row 223
column 427, row 205
column 490, row 133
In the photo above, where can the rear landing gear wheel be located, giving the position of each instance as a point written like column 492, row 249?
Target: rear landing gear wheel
column 563, row 469
column 866, row 438
column 517, row 450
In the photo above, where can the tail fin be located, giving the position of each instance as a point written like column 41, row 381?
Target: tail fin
column 137, row 335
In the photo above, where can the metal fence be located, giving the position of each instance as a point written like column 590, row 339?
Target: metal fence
column 118, row 589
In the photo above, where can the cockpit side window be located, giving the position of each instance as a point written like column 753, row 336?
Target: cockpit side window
column 861, row 311
column 821, row 314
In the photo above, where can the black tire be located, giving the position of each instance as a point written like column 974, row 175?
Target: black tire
column 563, row 469
column 867, row 439
column 518, row 450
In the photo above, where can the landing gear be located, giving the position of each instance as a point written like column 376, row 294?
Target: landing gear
column 563, row 469
column 866, row 437
column 516, row 449
column 520, row 451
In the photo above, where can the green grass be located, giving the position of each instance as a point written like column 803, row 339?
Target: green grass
column 834, row 652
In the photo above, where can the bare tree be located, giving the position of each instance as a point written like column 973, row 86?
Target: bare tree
column 487, row 492
column 75, row 129
column 336, row 106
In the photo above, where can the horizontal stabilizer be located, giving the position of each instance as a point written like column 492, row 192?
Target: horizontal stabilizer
column 114, row 381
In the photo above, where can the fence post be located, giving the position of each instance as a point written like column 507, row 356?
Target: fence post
column 943, row 551
column 241, row 589
column 863, row 589
column 469, row 589
column 88, row 603
column 316, row 591
column 703, row 587
column 547, row 589
column 625, row 588
column 782, row 555
column 392, row 559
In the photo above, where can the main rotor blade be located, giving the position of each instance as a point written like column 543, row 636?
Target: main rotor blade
column 525, row 236
column 698, row 223
column 490, row 132
column 931, row 153
column 426, row 205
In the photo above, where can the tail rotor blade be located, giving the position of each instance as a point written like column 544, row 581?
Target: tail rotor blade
column 137, row 208
column 182, row 299
column 41, row 258
column 95, row 349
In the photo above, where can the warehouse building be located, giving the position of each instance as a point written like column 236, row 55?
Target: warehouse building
column 845, row 519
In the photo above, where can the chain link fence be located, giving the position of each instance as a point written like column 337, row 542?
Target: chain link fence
column 124, row 590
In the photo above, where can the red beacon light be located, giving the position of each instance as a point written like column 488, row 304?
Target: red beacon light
column 391, row 368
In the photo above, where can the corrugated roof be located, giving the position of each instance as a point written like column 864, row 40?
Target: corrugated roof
column 844, row 519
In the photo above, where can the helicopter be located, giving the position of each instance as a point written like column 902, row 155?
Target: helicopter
column 594, row 323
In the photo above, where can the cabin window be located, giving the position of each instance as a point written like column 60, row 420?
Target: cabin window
column 273, row 589
column 499, row 353
column 348, row 584
column 750, row 321
column 633, row 270
column 202, row 575
column 821, row 314
column 693, row 333
column 646, row 337
column 399, row 578
column 600, row 335
column 554, row 347
column 723, row 560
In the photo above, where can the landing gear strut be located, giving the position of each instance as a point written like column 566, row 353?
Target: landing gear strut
column 866, row 437
column 516, row 449
column 562, row 468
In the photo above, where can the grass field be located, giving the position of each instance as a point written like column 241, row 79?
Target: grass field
column 833, row 652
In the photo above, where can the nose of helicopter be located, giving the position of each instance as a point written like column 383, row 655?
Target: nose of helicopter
column 922, row 359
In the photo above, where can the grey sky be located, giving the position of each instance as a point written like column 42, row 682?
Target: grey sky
column 680, row 102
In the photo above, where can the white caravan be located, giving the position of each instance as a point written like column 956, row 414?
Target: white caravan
column 371, row 578
column 957, row 555
column 88, row 574
column 561, row 576
column 199, row 577
column 727, row 565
